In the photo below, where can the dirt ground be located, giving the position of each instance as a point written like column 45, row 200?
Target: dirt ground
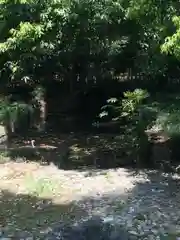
column 43, row 202
column 34, row 197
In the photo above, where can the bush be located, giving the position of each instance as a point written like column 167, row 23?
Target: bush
column 133, row 114
column 12, row 113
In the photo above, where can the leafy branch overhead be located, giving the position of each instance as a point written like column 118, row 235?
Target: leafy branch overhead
column 172, row 43
column 87, row 43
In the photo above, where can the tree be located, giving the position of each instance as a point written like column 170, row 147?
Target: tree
column 82, row 43
column 172, row 43
column 154, row 18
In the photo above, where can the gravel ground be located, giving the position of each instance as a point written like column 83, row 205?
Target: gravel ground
column 116, row 205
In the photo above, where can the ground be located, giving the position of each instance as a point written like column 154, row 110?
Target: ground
column 43, row 202
column 44, row 195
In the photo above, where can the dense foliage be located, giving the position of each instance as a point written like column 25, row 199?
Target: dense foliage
column 84, row 41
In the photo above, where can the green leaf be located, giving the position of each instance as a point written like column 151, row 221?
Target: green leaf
column 103, row 114
column 112, row 100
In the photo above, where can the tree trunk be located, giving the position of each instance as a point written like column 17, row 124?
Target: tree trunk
column 9, row 129
column 40, row 103
column 42, row 108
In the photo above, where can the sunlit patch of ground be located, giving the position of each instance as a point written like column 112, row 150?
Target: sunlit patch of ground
column 34, row 197
column 29, row 197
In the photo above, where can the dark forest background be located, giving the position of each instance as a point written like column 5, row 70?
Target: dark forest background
column 105, row 73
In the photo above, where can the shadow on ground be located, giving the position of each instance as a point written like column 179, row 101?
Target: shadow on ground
column 24, row 216
column 79, row 150
column 75, row 151
column 98, row 218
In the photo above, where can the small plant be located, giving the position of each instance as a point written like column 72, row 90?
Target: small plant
column 128, row 107
column 133, row 101
column 12, row 111
column 10, row 114
column 4, row 157
column 130, row 112
column 132, row 108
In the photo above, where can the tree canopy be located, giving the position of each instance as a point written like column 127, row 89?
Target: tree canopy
column 81, row 41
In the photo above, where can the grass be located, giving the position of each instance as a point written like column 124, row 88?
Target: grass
column 42, row 187
column 167, row 110
column 3, row 157
column 30, row 203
